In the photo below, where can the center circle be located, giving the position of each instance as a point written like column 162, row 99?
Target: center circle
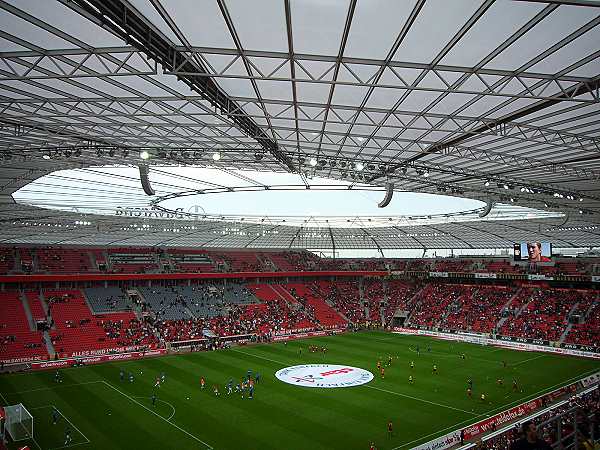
column 324, row 375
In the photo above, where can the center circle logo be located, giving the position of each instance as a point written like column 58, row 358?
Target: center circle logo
column 324, row 376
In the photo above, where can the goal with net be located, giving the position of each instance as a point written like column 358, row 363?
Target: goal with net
column 18, row 422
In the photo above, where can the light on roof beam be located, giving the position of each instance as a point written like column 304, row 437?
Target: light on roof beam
column 313, row 162
column 216, row 156
column 359, row 166
column 144, row 155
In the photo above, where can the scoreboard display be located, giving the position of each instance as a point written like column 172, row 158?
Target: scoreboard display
column 533, row 251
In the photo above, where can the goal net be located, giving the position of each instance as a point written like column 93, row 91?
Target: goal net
column 18, row 423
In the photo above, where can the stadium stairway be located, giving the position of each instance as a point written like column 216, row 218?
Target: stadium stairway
column 564, row 334
column 45, row 306
column 17, row 265
column 324, row 313
column 505, row 307
column 591, row 308
column 284, row 294
column 49, row 346
column 32, row 325
column 87, row 300
column 382, row 315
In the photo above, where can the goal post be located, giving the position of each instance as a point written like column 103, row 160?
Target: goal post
column 18, row 422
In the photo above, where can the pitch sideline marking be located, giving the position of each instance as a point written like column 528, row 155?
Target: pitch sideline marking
column 162, row 401
column 158, row 415
column 373, row 387
column 421, row 400
column 432, row 434
column 502, row 407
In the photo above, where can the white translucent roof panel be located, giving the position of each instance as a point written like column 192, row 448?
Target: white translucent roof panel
column 580, row 48
column 65, row 19
column 375, row 26
column 552, row 29
column 37, row 36
column 499, row 22
column 424, row 42
column 318, row 33
column 152, row 15
column 202, row 25
column 260, row 25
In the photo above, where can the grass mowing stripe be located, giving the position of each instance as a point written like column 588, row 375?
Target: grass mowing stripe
column 162, row 401
column 373, row 387
column 71, row 423
column 422, row 400
column 549, row 388
column 69, row 446
column 4, row 399
column 261, row 357
column 158, row 415
column 527, row 360
column 53, row 387
column 499, row 408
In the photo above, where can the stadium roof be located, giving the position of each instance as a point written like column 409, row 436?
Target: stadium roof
column 488, row 100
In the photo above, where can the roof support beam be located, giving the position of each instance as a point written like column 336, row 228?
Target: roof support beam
column 124, row 21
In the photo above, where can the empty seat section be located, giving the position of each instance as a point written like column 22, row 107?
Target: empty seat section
column 107, row 299
column 35, row 306
column 17, row 341
column 77, row 331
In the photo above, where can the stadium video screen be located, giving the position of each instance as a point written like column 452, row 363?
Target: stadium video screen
column 533, row 251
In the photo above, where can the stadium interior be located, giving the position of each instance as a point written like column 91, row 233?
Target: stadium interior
column 153, row 159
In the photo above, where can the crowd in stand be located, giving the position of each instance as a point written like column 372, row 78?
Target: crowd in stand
column 345, row 297
column 478, row 309
column 588, row 424
column 151, row 260
column 231, row 308
column 435, row 302
column 542, row 313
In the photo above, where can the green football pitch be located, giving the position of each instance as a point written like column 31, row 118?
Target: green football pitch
column 104, row 412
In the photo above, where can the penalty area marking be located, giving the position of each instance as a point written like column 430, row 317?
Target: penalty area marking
column 87, row 441
column 162, row 401
column 158, row 415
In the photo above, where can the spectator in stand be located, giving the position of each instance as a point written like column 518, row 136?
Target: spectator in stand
column 530, row 440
